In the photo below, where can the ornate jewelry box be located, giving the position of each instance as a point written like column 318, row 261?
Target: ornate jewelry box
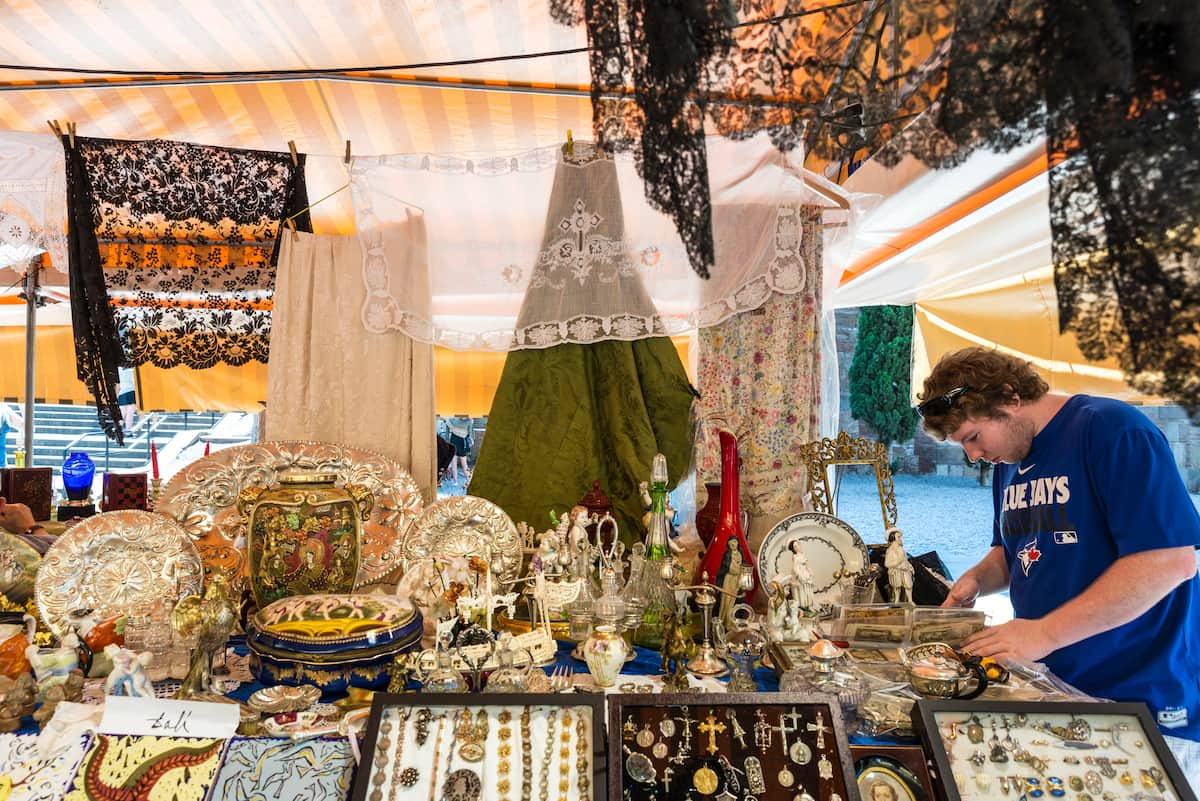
column 331, row 641
column 986, row 750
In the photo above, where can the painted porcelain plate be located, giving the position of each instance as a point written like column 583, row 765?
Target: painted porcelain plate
column 828, row 543
column 114, row 563
column 203, row 496
column 466, row 526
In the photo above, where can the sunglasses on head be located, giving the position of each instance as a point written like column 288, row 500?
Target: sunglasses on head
column 942, row 403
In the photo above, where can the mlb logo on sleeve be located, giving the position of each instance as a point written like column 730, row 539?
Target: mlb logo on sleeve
column 1065, row 538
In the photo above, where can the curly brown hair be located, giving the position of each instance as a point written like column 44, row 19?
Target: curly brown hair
column 991, row 380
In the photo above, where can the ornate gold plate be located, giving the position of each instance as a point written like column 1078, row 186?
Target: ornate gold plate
column 203, row 496
column 466, row 526
column 115, row 562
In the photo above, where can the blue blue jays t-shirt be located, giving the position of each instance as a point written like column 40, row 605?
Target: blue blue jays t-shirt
column 1100, row 483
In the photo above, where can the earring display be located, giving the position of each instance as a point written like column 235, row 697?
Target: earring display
column 494, row 747
column 993, row 750
column 697, row 747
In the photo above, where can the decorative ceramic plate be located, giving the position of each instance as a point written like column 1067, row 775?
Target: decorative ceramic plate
column 203, row 496
column 273, row 700
column 829, row 544
column 115, row 562
column 464, row 525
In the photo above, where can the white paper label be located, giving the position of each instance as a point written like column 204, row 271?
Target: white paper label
column 168, row 718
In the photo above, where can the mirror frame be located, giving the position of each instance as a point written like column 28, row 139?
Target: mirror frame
column 822, row 454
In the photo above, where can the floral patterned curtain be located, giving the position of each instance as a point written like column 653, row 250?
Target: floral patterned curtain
column 172, row 250
column 760, row 372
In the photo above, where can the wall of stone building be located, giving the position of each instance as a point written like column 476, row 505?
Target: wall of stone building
column 924, row 455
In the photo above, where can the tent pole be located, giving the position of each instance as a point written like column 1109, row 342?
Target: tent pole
column 31, row 290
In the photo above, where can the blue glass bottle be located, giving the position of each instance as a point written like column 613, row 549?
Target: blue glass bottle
column 77, row 474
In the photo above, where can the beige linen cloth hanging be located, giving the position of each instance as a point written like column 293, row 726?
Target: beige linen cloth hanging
column 329, row 379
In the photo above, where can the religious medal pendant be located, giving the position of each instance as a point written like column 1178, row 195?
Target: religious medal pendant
column 754, row 775
column 660, row 750
column 645, row 737
column 975, row 730
column 666, row 727
column 799, row 752
column 785, row 777
column 824, row 767
column 803, row 795
column 705, row 780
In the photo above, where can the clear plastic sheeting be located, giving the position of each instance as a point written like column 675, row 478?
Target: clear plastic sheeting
column 485, row 218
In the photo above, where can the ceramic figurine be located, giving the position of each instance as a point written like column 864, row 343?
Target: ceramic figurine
column 900, row 570
column 15, row 638
column 801, row 578
column 776, row 611
column 128, row 675
column 51, row 666
column 210, row 620
column 547, row 555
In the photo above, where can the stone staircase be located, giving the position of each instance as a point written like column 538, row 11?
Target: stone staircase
column 60, row 429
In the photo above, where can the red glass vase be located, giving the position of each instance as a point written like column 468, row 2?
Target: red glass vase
column 708, row 517
column 716, row 559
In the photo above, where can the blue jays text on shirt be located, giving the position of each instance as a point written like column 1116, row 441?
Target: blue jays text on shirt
column 1037, row 505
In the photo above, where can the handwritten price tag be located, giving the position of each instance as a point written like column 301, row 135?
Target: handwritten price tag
column 167, row 718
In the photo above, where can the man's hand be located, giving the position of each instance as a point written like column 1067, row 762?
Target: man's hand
column 15, row 517
column 964, row 592
column 1020, row 640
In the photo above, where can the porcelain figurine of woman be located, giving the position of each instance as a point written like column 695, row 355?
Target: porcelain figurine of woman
column 900, row 570
column 801, row 578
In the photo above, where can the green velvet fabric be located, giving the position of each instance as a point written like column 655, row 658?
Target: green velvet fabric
column 571, row 414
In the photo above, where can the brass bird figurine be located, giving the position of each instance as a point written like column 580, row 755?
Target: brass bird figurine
column 210, row 619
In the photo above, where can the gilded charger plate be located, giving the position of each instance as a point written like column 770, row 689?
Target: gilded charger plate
column 203, row 496
column 466, row 526
column 114, row 563
column 830, row 545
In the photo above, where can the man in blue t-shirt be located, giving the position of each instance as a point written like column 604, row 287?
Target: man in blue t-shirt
column 1094, row 536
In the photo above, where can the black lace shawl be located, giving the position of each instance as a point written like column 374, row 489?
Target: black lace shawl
column 1112, row 85
column 172, row 255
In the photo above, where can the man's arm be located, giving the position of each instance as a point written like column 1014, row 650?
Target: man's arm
column 1125, row 591
column 990, row 575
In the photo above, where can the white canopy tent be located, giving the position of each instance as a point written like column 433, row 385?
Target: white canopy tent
column 378, row 73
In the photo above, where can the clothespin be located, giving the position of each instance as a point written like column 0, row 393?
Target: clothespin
column 71, row 133
column 295, row 156
column 347, row 151
column 569, row 147
column 55, row 127
column 291, row 224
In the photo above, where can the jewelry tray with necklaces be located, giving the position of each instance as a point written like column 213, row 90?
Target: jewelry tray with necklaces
column 1043, row 751
column 483, row 747
column 706, row 747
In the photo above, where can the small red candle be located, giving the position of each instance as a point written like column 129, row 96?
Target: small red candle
column 154, row 460
column 207, row 448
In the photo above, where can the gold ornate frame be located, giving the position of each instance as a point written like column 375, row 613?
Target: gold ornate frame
column 822, row 454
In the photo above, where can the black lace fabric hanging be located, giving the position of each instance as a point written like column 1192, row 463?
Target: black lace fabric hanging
column 1112, row 85
column 172, row 252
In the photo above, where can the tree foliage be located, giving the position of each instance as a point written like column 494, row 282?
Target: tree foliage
column 880, row 372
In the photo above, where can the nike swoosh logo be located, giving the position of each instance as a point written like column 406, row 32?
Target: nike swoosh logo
column 1023, row 471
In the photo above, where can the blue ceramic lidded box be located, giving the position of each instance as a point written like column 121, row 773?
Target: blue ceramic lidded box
column 331, row 641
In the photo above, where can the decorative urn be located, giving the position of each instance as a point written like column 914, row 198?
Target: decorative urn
column 303, row 536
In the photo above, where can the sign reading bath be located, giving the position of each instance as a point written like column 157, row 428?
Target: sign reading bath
column 168, row 718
